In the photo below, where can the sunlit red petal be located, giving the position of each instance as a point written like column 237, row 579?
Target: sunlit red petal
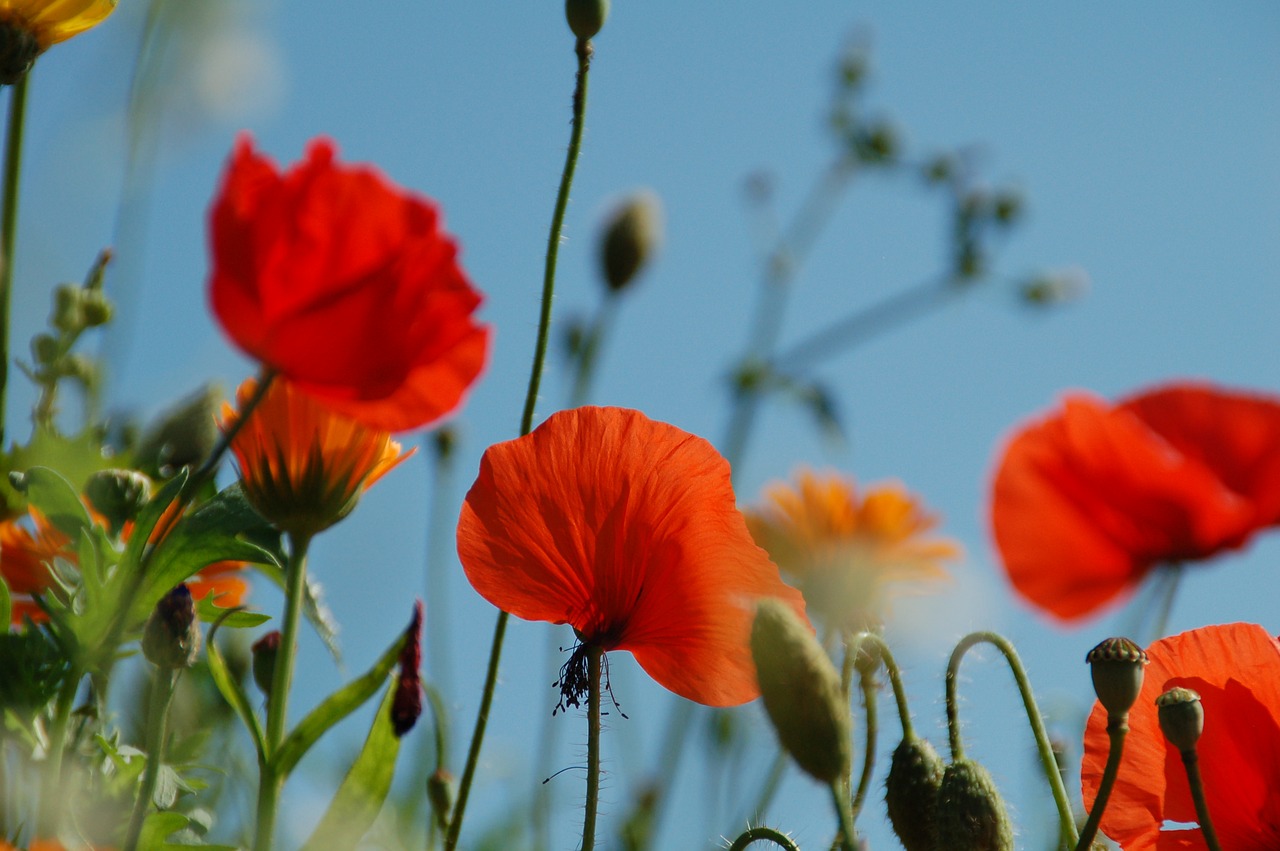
column 1236, row 670
column 627, row 529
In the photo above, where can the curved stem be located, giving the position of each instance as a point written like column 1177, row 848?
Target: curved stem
column 9, row 225
column 593, row 748
column 1066, row 821
column 583, row 51
column 895, row 680
column 1191, row 762
column 162, row 689
column 50, row 800
column 840, row 798
column 1117, row 729
column 868, row 684
column 756, row 834
column 271, row 780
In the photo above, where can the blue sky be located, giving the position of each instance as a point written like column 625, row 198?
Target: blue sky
column 1145, row 146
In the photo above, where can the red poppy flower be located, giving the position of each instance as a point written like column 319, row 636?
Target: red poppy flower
column 346, row 285
column 1090, row 499
column 626, row 529
column 1236, row 671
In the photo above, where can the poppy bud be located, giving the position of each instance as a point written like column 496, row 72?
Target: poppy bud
column 971, row 814
column 45, row 349
column 406, row 706
column 118, row 495
column 184, row 435
column 171, row 638
column 67, row 313
column 18, row 51
column 95, row 308
column 631, row 236
column 586, row 17
column 1116, row 667
column 265, row 650
column 1181, row 717
column 911, row 794
column 801, row 691
column 441, row 792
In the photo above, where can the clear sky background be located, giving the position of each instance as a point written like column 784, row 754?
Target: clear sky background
column 1145, row 142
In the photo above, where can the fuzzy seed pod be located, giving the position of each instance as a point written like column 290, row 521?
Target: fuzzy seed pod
column 801, row 691
column 971, row 814
column 911, row 794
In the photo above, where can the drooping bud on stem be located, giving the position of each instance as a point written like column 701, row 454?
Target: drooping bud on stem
column 172, row 635
column 1116, row 666
column 801, row 690
column 971, row 814
column 911, row 794
column 631, row 236
column 406, row 706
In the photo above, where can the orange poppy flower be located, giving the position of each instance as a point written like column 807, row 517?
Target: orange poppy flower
column 1090, row 499
column 626, row 529
column 302, row 465
column 1236, row 671
column 345, row 284
column 846, row 550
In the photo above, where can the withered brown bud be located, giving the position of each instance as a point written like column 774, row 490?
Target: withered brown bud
column 172, row 635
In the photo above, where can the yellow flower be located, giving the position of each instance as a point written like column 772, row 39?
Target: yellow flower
column 303, row 466
column 52, row 21
column 843, row 551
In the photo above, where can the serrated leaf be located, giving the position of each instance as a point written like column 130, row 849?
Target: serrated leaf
column 157, row 829
column 334, row 708
column 359, row 799
column 77, row 458
column 210, row 612
column 58, row 500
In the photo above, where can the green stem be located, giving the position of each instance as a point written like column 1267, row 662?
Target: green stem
column 1117, row 729
column 589, row 355
column 265, row 378
column 895, row 679
column 162, row 689
column 1049, row 764
column 840, row 798
column 9, row 225
column 1192, row 763
column 868, row 682
column 1161, row 622
column 756, row 834
column 594, row 655
column 583, row 51
column 51, row 800
column 271, row 780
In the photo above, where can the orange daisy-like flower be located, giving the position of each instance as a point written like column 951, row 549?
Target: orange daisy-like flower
column 626, row 529
column 1236, row 671
column 846, row 550
column 1090, row 499
column 346, row 285
column 302, row 465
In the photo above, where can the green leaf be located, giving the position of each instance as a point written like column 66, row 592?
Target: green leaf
column 211, row 612
column 58, row 500
column 359, row 799
column 334, row 708
column 145, row 523
column 6, row 605
column 159, row 826
column 77, row 458
column 233, row 692
column 317, row 612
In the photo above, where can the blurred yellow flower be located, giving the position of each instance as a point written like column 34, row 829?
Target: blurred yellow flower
column 52, row 21
column 843, row 551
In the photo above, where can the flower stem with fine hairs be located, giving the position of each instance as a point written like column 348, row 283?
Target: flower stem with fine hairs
column 162, row 689
column 583, row 51
column 1191, row 761
column 1066, row 821
column 270, row 780
column 867, row 681
column 840, row 798
column 756, row 834
column 594, row 655
column 9, row 225
column 1117, row 729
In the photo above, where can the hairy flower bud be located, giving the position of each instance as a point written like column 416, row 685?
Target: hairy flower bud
column 586, row 17
column 265, row 650
column 406, row 706
column 632, row 234
column 172, row 635
column 1116, row 666
column 1181, row 717
column 801, row 691
column 971, row 814
column 118, row 495
column 183, row 435
column 911, row 794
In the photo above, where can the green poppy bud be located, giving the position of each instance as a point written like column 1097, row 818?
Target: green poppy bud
column 95, row 308
column 265, row 650
column 118, row 495
column 632, row 234
column 1181, row 717
column 971, row 814
column 171, row 638
column 911, row 794
column 68, row 315
column 586, row 17
column 801, row 691
column 1116, row 666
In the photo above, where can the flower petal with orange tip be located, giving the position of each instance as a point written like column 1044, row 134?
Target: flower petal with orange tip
column 1089, row 499
column 1235, row 669
column 346, row 285
column 627, row 529
column 52, row 21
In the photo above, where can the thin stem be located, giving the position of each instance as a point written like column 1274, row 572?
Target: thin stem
column 265, row 378
column 271, row 780
column 162, row 689
column 51, row 800
column 1172, row 581
column 594, row 655
column 9, row 225
column 583, row 51
column 895, row 679
column 589, row 354
column 756, row 834
column 868, row 683
column 1191, row 762
column 1066, row 821
column 1117, row 729
column 840, row 798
